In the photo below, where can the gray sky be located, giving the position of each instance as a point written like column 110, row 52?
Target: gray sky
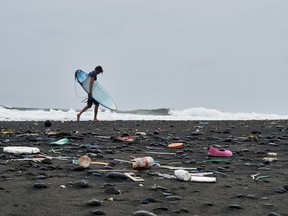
column 230, row 55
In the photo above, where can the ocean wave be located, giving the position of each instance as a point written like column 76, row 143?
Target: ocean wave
column 200, row 113
column 160, row 111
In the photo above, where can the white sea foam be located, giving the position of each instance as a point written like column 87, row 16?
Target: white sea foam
column 24, row 114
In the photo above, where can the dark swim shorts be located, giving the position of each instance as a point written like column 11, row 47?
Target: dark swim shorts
column 91, row 101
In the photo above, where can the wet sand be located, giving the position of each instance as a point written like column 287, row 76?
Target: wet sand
column 58, row 186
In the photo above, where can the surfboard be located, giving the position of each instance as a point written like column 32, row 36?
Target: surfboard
column 98, row 92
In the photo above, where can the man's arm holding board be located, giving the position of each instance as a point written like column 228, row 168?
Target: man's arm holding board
column 91, row 87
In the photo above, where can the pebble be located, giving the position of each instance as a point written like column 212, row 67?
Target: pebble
column 112, row 190
column 173, row 198
column 78, row 168
column 234, row 206
column 19, row 173
column 81, row 183
column 46, row 161
column 183, row 209
column 167, row 193
column 251, row 196
column 269, row 205
column 98, row 212
column 273, row 214
column 109, row 167
column 208, row 204
column 280, row 191
column 143, row 213
column 92, row 172
column 192, row 161
column 109, row 151
column 155, row 187
column 160, row 210
column 40, row 177
column 117, row 175
column 98, row 174
column 106, row 185
column 93, row 202
column 150, row 199
column 47, row 123
column 39, row 185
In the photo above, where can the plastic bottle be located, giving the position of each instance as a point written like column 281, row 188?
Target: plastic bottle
column 142, row 163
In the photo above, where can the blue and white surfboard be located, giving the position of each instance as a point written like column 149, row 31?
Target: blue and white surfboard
column 98, row 92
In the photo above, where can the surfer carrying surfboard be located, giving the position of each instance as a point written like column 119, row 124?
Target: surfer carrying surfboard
column 93, row 76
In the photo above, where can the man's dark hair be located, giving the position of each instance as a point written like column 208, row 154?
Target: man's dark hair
column 99, row 69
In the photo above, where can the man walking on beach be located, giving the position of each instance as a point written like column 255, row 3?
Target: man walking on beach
column 93, row 76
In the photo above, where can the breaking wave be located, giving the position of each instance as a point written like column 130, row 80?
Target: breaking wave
column 36, row 114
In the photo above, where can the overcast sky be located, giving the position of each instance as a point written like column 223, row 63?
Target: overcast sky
column 230, row 55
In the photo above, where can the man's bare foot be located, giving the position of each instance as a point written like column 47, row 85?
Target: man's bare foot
column 78, row 117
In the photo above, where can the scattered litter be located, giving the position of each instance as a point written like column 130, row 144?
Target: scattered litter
column 203, row 179
column 8, row 133
column 174, row 167
column 262, row 177
column 175, row 146
column 140, row 133
column 124, row 139
column 186, row 176
column 257, row 176
column 122, row 161
column 56, row 151
column 202, row 173
column 57, row 134
column 132, row 176
column 216, row 161
column 168, row 176
column 60, row 142
column 219, row 152
column 21, row 150
column 85, row 161
column 27, row 134
column 272, row 154
column 160, row 153
column 182, row 175
column 38, row 158
column 270, row 159
column 142, row 163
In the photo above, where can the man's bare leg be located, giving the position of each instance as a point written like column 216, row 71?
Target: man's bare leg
column 96, row 112
column 80, row 113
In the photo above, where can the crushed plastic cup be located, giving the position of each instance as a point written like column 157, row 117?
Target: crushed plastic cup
column 182, row 175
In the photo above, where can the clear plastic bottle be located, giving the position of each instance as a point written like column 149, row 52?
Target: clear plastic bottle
column 142, row 163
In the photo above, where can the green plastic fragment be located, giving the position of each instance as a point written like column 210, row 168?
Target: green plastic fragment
column 58, row 150
column 60, row 142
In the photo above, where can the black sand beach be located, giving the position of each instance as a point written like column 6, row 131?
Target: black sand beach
column 59, row 187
